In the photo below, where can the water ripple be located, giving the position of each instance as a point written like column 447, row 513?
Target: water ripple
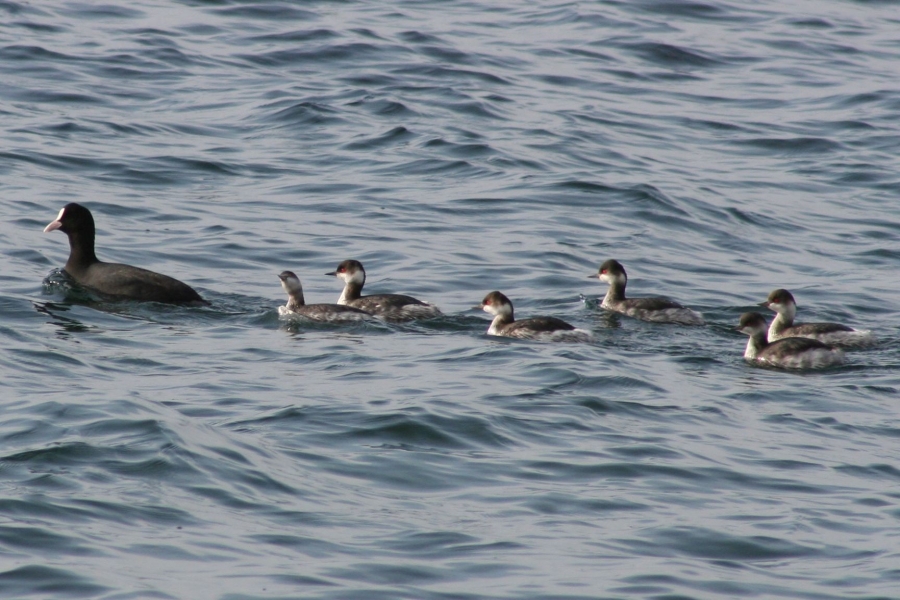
column 718, row 150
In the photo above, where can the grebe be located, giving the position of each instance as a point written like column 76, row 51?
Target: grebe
column 319, row 312
column 536, row 328
column 655, row 310
column 787, row 353
column 392, row 307
column 782, row 302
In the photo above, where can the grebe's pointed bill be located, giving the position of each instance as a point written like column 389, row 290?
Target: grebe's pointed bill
column 347, row 268
column 54, row 225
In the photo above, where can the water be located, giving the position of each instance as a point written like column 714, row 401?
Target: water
column 719, row 150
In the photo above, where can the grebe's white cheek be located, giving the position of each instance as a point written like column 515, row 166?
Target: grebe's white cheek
column 604, row 277
column 291, row 284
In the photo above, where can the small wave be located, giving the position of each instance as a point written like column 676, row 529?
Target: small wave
column 267, row 12
column 668, row 55
column 329, row 53
column 296, row 36
column 700, row 11
column 44, row 581
column 389, row 138
column 710, row 544
column 793, row 146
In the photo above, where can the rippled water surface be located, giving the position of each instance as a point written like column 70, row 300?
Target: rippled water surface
column 719, row 150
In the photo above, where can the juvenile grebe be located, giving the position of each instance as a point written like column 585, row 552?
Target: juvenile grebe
column 656, row 310
column 782, row 302
column 787, row 353
column 319, row 312
column 392, row 307
column 536, row 328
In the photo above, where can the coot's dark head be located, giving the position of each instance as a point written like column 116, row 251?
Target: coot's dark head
column 73, row 218
column 77, row 223
column 112, row 279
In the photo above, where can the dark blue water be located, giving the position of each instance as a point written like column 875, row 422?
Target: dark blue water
column 719, row 150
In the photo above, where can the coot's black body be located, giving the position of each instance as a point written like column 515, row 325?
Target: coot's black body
column 111, row 279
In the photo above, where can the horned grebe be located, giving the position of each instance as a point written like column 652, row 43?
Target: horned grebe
column 787, row 353
column 392, row 307
column 656, row 310
column 782, row 302
column 537, row 328
column 318, row 312
column 111, row 279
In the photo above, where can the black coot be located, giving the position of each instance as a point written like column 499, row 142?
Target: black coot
column 120, row 281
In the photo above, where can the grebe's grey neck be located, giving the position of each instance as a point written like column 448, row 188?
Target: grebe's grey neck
column 291, row 285
column 753, row 324
column 354, row 276
column 782, row 303
column 755, row 345
column 615, row 293
column 498, row 323
column 352, row 291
